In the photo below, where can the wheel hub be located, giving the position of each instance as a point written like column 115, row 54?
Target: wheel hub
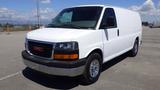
column 94, row 68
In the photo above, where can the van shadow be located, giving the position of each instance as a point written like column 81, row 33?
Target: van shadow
column 59, row 82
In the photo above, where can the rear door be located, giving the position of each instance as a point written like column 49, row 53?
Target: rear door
column 111, row 34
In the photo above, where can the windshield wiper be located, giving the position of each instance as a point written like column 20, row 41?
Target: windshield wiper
column 68, row 25
column 71, row 26
column 51, row 26
column 64, row 26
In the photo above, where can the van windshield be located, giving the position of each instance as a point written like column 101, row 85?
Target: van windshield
column 78, row 17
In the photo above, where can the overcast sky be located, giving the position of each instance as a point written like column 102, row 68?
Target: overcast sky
column 25, row 10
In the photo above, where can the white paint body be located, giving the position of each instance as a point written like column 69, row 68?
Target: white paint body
column 128, row 23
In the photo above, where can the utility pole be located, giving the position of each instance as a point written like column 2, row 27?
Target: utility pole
column 38, row 13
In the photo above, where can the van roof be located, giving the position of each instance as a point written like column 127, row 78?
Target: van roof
column 104, row 6
column 92, row 5
column 96, row 5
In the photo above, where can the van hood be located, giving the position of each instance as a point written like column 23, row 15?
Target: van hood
column 57, row 34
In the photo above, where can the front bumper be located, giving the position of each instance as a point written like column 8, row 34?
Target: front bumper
column 54, row 67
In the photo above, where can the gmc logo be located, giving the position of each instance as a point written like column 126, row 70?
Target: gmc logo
column 38, row 49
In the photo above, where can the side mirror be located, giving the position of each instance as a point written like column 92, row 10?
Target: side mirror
column 103, row 25
column 110, row 22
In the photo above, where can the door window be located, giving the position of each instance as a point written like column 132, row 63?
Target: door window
column 109, row 19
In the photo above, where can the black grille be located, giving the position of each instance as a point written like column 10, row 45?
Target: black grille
column 40, row 49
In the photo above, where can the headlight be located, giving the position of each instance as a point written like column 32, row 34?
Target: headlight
column 66, row 51
column 67, row 46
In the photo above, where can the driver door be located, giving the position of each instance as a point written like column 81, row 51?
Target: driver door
column 111, row 34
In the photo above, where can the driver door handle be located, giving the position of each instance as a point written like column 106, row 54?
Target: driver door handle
column 117, row 32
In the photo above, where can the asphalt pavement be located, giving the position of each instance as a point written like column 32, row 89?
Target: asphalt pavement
column 122, row 73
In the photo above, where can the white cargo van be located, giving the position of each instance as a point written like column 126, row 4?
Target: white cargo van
column 80, row 39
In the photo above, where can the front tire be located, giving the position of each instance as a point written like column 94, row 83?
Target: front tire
column 93, row 68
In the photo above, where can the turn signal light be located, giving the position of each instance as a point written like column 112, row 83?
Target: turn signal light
column 65, row 57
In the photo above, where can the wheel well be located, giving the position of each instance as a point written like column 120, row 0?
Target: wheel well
column 97, row 51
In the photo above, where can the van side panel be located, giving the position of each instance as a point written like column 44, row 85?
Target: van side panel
column 129, row 24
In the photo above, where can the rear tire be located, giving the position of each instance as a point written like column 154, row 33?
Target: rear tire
column 93, row 69
column 135, row 49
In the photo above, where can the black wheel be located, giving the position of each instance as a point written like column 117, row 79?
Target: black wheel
column 135, row 48
column 93, row 68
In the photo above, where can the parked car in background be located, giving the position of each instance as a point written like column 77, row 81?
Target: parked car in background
column 154, row 25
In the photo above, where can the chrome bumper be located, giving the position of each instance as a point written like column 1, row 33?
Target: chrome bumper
column 55, row 71
column 60, row 71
